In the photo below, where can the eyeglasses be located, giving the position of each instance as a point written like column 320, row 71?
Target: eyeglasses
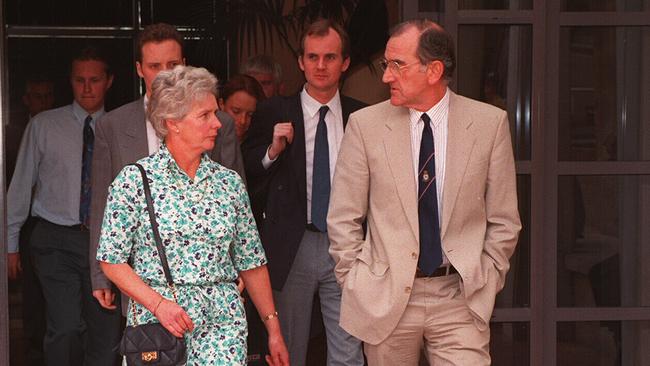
column 394, row 66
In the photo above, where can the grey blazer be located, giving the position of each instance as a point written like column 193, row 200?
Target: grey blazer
column 121, row 139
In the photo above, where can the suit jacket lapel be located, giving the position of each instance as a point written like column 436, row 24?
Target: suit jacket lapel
column 460, row 141
column 397, row 142
column 293, row 112
column 135, row 145
column 346, row 108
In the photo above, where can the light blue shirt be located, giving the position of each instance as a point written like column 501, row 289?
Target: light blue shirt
column 48, row 170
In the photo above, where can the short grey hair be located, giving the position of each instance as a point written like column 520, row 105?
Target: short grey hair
column 174, row 91
column 262, row 64
column 435, row 44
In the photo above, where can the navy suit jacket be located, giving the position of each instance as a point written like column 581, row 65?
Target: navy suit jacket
column 285, row 204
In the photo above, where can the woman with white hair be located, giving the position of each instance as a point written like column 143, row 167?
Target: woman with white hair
column 205, row 225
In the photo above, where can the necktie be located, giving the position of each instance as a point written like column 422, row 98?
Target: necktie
column 320, row 184
column 430, row 246
column 86, row 161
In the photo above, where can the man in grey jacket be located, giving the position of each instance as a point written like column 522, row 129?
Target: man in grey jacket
column 124, row 136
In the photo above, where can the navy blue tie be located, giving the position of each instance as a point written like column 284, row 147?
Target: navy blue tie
column 86, row 161
column 320, row 184
column 430, row 245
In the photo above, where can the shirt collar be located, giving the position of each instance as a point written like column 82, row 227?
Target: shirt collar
column 81, row 113
column 166, row 158
column 312, row 106
column 438, row 109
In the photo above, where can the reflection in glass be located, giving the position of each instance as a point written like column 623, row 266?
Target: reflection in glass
column 87, row 13
column 603, row 247
column 604, row 88
column 516, row 291
column 208, row 52
column 510, row 344
column 49, row 58
column 611, row 343
column 495, row 4
column 604, row 5
column 495, row 66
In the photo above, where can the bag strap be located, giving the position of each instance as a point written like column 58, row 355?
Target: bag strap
column 154, row 226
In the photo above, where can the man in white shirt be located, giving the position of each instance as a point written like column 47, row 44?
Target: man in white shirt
column 433, row 175
column 293, row 142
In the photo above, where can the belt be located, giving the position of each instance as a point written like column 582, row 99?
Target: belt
column 312, row 227
column 440, row 271
column 78, row 227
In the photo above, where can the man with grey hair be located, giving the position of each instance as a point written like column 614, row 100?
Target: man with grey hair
column 433, row 175
column 267, row 72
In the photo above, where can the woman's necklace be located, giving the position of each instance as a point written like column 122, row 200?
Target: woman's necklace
column 194, row 194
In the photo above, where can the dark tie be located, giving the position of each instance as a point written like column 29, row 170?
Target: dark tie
column 430, row 246
column 86, row 161
column 320, row 184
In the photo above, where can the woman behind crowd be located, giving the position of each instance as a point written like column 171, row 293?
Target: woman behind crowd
column 238, row 98
column 205, row 224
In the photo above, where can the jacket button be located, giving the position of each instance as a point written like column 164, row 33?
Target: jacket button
column 407, row 289
column 280, row 187
column 414, row 255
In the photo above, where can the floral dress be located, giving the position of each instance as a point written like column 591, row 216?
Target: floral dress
column 209, row 235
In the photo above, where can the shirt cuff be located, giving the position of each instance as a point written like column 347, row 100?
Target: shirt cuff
column 12, row 244
column 266, row 161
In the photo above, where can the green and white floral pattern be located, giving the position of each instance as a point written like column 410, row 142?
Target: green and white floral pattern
column 209, row 235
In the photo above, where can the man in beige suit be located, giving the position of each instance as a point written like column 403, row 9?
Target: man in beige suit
column 440, row 202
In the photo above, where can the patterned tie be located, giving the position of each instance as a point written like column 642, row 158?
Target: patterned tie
column 320, row 184
column 86, row 161
column 430, row 246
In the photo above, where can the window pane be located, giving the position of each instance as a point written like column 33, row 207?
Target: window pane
column 495, row 4
column 429, row 6
column 604, row 5
column 604, row 88
column 516, row 291
column 196, row 13
column 603, row 243
column 209, row 53
column 495, row 66
column 69, row 12
column 615, row 343
column 510, row 344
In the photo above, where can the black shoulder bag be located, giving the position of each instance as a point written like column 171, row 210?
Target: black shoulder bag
column 152, row 344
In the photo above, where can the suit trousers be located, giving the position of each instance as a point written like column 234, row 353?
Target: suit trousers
column 33, row 301
column 313, row 270
column 79, row 331
column 436, row 317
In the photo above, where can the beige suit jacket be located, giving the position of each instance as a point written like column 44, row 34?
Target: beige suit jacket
column 374, row 180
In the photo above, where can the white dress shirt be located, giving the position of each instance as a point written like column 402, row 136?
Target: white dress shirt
column 439, row 125
column 153, row 141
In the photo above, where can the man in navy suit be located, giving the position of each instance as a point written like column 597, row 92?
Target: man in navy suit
column 293, row 142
